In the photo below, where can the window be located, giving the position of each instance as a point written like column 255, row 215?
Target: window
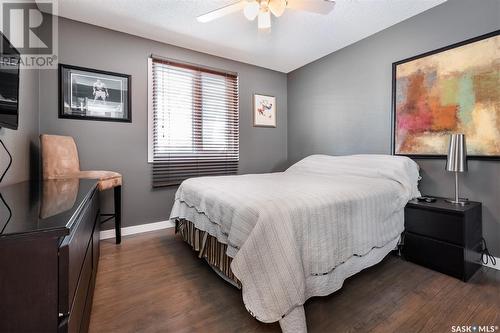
column 193, row 122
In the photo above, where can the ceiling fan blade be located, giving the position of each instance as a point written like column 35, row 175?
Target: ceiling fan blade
column 277, row 7
column 218, row 13
column 314, row 6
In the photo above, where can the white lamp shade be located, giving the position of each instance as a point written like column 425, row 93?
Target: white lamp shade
column 251, row 10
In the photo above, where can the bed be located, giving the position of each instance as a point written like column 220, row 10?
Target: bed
column 285, row 237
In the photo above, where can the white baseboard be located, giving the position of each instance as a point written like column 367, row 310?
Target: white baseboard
column 137, row 229
column 490, row 265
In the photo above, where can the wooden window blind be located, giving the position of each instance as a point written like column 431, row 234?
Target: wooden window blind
column 195, row 127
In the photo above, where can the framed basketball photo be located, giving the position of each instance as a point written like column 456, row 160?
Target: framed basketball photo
column 91, row 94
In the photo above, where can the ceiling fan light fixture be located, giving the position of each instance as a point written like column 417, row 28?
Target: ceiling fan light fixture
column 262, row 10
column 277, row 7
column 264, row 20
column 251, row 10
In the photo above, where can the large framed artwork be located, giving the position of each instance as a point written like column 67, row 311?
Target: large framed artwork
column 264, row 111
column 455, row 89
column 91, row 94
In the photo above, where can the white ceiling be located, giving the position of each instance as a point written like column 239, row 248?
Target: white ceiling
column 297, row 38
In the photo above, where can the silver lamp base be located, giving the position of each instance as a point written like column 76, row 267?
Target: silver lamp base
column 457, row 200
column 461, row 201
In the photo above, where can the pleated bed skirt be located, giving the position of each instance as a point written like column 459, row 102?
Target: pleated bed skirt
column 208, row 248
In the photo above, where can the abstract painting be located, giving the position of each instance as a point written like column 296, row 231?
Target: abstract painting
column 264, row 113
column 451, row 90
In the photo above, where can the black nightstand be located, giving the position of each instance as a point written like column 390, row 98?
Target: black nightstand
column 444, row 237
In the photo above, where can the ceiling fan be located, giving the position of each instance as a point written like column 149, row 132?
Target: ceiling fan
column 262, row 10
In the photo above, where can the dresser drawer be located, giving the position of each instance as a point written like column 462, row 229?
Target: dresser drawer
column 443, row 257
column 439, row 225
column 73, row 251
column 95, row 245
column 77, row 309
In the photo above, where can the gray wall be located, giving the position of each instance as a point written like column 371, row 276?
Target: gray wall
column 122, row 147
column 341, row 104
column 23, row 143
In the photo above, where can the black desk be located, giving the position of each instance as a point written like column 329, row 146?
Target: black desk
column 49, row 251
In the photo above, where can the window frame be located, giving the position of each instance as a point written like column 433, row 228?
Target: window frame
column 197, row 112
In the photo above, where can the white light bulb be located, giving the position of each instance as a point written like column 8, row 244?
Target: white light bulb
column 251, row 10
column 264, row 21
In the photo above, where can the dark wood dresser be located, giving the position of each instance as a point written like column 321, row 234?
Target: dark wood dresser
column 49, row 251
column 444, row 237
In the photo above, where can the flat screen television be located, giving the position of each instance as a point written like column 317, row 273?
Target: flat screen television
column 9, row 84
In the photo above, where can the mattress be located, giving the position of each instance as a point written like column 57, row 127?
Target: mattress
column 287, row 232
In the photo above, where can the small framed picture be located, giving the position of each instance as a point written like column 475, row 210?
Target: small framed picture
column 264, row 111
column 91, row 94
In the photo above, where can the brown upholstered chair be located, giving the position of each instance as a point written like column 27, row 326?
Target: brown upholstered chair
column 60, row 161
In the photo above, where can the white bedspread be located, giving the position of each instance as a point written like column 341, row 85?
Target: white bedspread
column 285, row 229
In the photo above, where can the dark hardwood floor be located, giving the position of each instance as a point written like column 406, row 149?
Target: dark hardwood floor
column 154, row 283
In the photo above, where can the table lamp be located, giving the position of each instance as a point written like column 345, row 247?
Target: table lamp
column 457, row 162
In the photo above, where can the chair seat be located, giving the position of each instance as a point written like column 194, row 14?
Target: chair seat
column 107, row 179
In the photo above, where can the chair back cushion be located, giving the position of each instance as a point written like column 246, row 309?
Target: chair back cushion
column 59, row 156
